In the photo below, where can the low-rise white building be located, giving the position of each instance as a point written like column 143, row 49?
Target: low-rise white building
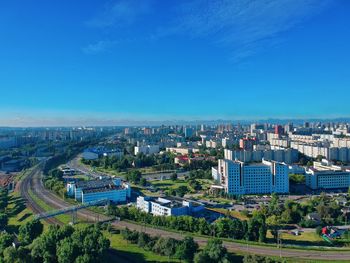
column 325, row 175
column 146, row 149
column 159, row 206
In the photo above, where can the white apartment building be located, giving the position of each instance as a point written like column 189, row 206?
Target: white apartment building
column 182, row 150
column 330, row 153
column 287, row 156
column 324, row 175
column 341, row 142
column 147, row 149
column 242, row 178
column 311, row 150
column 280, row 142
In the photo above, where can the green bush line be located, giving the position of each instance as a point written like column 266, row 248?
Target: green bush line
column 257, row 244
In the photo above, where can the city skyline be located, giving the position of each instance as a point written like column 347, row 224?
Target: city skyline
column 122, row 61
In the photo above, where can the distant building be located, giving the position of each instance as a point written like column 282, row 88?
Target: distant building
column 325, row 175
column 159, row 206
column 279, row 129
column 7, row 142
column 13, row 165
column 212, row 143
column 247, row 143
column 97, row 152
column 243, row 178
column 147, row 131
column 188, row 131
column 288, row 156
column 182, row 150
column 227, row 142
column 146, row 149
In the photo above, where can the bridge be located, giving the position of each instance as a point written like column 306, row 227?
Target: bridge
column 71, row 209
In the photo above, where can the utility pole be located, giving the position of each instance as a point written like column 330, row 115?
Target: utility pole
column 279, row 242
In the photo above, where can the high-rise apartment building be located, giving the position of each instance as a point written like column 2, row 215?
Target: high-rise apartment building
column 243, row 178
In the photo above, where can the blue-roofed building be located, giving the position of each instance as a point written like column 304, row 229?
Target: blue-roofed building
column 112, row 189
column 98, row 152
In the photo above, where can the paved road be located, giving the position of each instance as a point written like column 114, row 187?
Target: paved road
column 75, row 164
column 33, row 180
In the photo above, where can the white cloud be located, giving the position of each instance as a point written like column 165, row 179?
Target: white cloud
column 121, row 13
column 244, row 26
column 100, row 46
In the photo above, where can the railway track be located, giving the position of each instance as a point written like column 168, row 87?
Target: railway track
column 33, row 181
column 26, row 185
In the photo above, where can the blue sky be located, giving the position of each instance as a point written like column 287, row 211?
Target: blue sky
column 105, row 61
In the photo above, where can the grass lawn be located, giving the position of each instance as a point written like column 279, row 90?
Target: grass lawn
column 18, row 213
column 169, row 184
column 305, row 238
column 126, row 252
column 235, row 214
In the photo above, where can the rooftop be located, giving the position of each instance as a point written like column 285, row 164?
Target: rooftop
column 106, row 188
column 94, row 183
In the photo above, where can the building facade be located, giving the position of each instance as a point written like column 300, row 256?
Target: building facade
column 112, row 189
column 159, row 206
column 242, row 178
column 324, row 175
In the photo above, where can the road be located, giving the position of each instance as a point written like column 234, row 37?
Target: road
column 75, row 164
column 33, row 181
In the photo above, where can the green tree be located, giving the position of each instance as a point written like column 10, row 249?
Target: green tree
column 10, row 255
column 5, row 241
column 214, row 251
column 3, row 220
column 67, row 251
column 181, row 190
column 143, row 181
column 173, row 176
column 29, row 231
column 143, row 240
column 186, row 250
column 134, row 176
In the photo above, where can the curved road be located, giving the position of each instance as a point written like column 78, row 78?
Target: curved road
column 33, row 181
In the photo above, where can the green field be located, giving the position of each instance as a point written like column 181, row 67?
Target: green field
column 235, row 214
column 169, row 184
column 17, row 212
column 126, row 252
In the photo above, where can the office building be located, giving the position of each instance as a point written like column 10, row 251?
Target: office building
column 111, row 189
column 242, row 178
column 325, row 175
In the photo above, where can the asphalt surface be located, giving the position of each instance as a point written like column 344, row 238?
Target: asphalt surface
column 33, row 181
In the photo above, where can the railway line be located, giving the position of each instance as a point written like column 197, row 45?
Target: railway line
column 33, row 181
column 25, row 186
